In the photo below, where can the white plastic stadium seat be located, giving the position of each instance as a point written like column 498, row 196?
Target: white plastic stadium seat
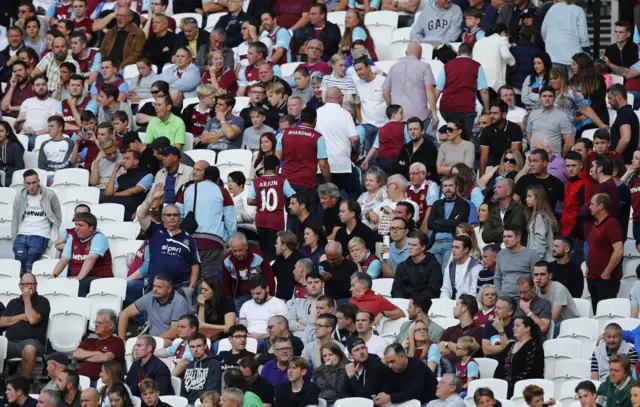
column 189, row 101
column 108, row 213
column 119, row 231
column 399, row 42
column 67, row 323
column 233, row 160
column 4, row 342
column 288, row 68
column 7, row 196
column 391, row 327
column 337, row 17
column 385, row 66
column 72, row 197
column 381, row 25
column 382, row 286
column 410, row 403
column 354, row 401
column 43, row 268
column 130, row 72
column 18, row 179
column 70, row 178
column 583, row 329
column 442, row 307
column 445, row 322
column 584, row 307
column 24, row 140
column 427, row 52
column 40, row 140
column 8, row 292
column 588, row 134
column 627, row 324
column 212, row 20
column 144, row 102
column 241, row 103
column 85, row 382
column 136, row 401
column 30, row 159
column 487, row 367
column 202, row 155
column 180, row 16
column 175, row 401
column 119, row 256
column 9, row 269
column 106, row 293
column 58, row 289
column 6, row 216
column 498, row 387
column 612, row 308
column 176, row 383
column 518, row 398
column 401, row 303
column 570, row 369
column 556, row 350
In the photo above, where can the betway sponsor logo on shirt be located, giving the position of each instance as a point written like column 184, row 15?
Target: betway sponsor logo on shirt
column 34, row 213
column 81, row 257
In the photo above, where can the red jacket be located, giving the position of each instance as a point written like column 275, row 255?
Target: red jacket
column 576, row 192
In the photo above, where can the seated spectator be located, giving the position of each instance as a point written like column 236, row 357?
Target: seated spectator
column 129, row 49
column 196, row 116
column 104, row 166
column 256, row 312
column 397, row 192
column 420, row 273
column 245, row 213
column 408, row 378
column 331, row 376
column 513, row 261
column 275, row 370
column 252, row 135
column 497, row 334
column 375, row 184
column 89, row 397
column 346, row 328
column 183, row 77
column 611, row 346
column 364, row 325
column 298, row 392
column 19, row 88
column 69, row 387
column 329, row 201
column 562, row 305
column 487, row 298
column 455, row 283
column 364, row 298
column 215, row 311
column 336, row 271
column 616, row 389
column 419, row 305
column 256, row 383
column 356, row 30
column 108, row 104
column 163, row 306
column 229, row 359
column 86, row 255
column 442, row 14
column 112, row 374
column 148, row 366
column 179, row 351
column 74, row 104
column 140, row 85
column 203, row 366
column 531, row 304
column 92, row 352
column 55, row 153
column 110, row 75
column 325, row 326
column 483, row 397
column 291, row 285
column 119, row 396
column 224, row 130
column 150, row 394
column 50, row 65
column 314, row 63
column 420, row 347
column 18, row 392
column 364, row 365
column 398, row 251
column 303, row 306
column 233, row 378
column 129, row 188
column 160, row 44
column 8, row 54
column 353, row 227
column 366, row 261
column 466, row 307
column 278, row 327
column 524, row 357
column 449, row 391
column 329, row 34
column 166, row 124
column 56, row 363
column 303, row 87
column 34, row 112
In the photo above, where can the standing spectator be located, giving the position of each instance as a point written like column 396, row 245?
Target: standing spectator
column 258, row 311
column 418, row 149
column 513, row 261
column 461, row 277
column 174, row 175
column 537, row 163
column 563, row 269
column 577, row 192
column 421, row 272
column 25, row 320
column 440, row 22
column 542, row 225
column 19, row 89
column 604, row 272
column 370, row 105
column 93, row 352
column 86, row 255
column 35, row 222
column 329, row 33
column 466, row 307
column 458, row 83
column 11, row 153
column 492, row 52
column 147, row 366
column 611, row 346
column 508, row 212
column 625, row 127
column 119, row 47
column 547, row 123
column 564, row 31
column 286, row 261
column 622, row 53
column 499, row 137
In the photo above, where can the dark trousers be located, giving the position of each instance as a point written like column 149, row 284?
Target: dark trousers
column 312, row 196
column 85, row 285
column 602, row 290
column 267, row 238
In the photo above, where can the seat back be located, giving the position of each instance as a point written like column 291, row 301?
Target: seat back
column 382, row 286
column 584, row 307
column 354, row 402
column 67, row 323
column 43, row 268
column 106, row 293
column 9, row 269
column 391, row 328
column 487, row 367
column 119, row 256
column 175, row 401
column 202, row 155
column 442, row 307
column 108, row 213
column 59, row 289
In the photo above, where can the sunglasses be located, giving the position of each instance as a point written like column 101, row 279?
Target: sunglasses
column 451, row 129
column 509, row 160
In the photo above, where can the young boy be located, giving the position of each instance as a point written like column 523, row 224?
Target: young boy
column 601, row 144
column 109, row 74
column 389, row 140
column 472, row 32
column 275, row 96
column 196, row 116
column 303, row 88
column 120, row 123
column 269, row 192
column 251, row 135
column 297, row 392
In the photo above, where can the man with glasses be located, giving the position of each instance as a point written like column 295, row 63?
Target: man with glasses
column 422, row 190
column 257, row 384
column 158, row 8
column 448, row 392
column 27, row 9
column 278, row 327
column 192, row 36
column 398, row 249
column 325, row 327
column 532, row 305
column 500, row 136
column 237, row 335
column 275, row 371
column 315, row 65
column 257, row 98
column 93, row 352
column 26, row 319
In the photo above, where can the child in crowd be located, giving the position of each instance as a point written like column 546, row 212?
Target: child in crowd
column 297, row 392
column 467, row 368
column 603, row 69
column 472, row 32
column 251, row 135
column 120, row 123
column 443, row 137
column 389, row 140
column 210, row 399
column 303, row 87
column 316, row 101
column 196, row 116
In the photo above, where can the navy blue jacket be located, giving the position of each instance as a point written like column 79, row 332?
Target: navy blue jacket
column 154, row 369
column 523, row 52
column 232, row 26
column 5, row 71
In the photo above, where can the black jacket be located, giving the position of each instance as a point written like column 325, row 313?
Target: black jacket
column 203, row 39
column 330, row 37
column 626, row 57
column 6, row 71
column 416, row 382
column 438, row 222
column 422, row 277
column 362, row 231
column 307, row 396
column 154, row 369
column 370, row 382
column 232, row 25
column 426, row 154
column 11, row 160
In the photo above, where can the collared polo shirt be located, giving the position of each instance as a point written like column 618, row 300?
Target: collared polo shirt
column 171, row 255
column 398, row 256
column 373, row 302
column 161, row 316
column 174, row 129
column 603, row 235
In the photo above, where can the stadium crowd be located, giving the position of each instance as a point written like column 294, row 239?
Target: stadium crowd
column 395, row 226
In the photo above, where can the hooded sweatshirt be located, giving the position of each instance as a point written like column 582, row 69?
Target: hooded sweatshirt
column 438, row 25
column 11, row 159
column 200, row 376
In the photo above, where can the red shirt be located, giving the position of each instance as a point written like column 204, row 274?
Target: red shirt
column 290, row 11
column 319, row 66
column 300, row 291
column 373, row 302
column 226, row 80
column 19, row 96
column 112, row 344
column 300, row 156
column 481, row 318
column 601, row 239
column 85, row 26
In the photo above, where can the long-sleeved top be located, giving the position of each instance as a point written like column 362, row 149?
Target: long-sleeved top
column 526, row 363
column 368, row 381
column 187, row 81
column 424, row 276
column 540, row 238
column 11, row 159
column 245, row 213
column 494, row 226
column 331, row 381
column 50, row 205
column 307, row 396
column 531, row 88
column 154, row 369
column 416, row 382
column 133, row 44
column 438, row 25
column 493, row 54
column 510, row 266
column 201, row 376
column 564, row 31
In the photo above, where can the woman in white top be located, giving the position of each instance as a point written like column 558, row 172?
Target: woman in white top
column 375, row 182
column 541, row 222
column 140, row 86
column 338, row 79
column 458, row 149
column 245, row 213
column 483, row 216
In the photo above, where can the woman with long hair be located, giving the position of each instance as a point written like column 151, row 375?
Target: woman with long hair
column 468, row 188
column 220, row 75
column 523, row 358
column 510, row 165
column 268, row 144
column 375, row 183
column 570, row 100
column 11, row 152
column 140, row 86
column 419, row 346
column 465, row 229
column 339, row 79
column 632, row 179
column 314, row 242
column 216, row 312
column 331, row 376
column 111, row 374
column 457, row 149
column 533, row 84
column 487, row 298
column 355, row 29
column 483, row 217
column 587, row 81
column 245, row 213
column 542, row 224
column 119, row 396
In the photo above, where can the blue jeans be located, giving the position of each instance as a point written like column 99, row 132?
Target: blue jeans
column 367, row 134
column 467, row 118
column 577, row 254
column 239, row 301
column 441, row 249
column 28, row 250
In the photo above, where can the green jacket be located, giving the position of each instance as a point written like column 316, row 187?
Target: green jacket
column 494, row 226
column 616, row 397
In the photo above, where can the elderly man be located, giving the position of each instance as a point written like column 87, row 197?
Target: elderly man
column 51, row 398
column 160, row 46
column 88, row 398
column 422, row 191
column 611, row 345
column 531, row 304
column 507, row 212
column 336, row 271
column 497, row 334
column 548, row 122
column 278, row 327
column 448, row 392
column 49, row 66
column 385, row 211
column 315, row 65
column 617, row 388
column 147, row 366
column 216, row 42
column 499, row 137
column 57, row 362
column 93, row 352
column 411, row 84
column 329, row 197
column 364, row 298
column 125, row 42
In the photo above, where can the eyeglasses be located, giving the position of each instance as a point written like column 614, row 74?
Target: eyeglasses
column 451, row 129
column 509, row 160
column 284, row 350
column 28, row 284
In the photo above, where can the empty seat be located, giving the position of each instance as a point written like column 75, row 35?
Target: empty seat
column 10, row 269
column 76, row 177
column 58, row 289
column 7, row 196
column 108, row 213
column 487, row 367
column 571, row 369
column 241, row 103
column 401, row 303
column 85, row 382
column 10, row 291
column 442, row 307
column 175, row 401
column 584, row 307
column 67, row 323
column 288, row 68
column 399, row 42
column 627, row 324
column 612, row 308
column 233, row 160
column 176, row 383
column 559, row 349
column 212, row 20
column 119, row 231
column 202, row 155
column 382, row 286
column 391, row 327
column 43, row 268
column 119, row 256
column 385, row 66
column 106, row 293
column 585, row 330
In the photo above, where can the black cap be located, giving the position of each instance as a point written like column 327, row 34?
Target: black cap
column 528, row 13
column 129, row 138
column 160, row 143
column 353, row 342
column 171, row 150
column 59, row 357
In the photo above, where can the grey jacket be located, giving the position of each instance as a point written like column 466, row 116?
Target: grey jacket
column 331, row 381
column 184, row 176
column 51, row 206
column 540, row 238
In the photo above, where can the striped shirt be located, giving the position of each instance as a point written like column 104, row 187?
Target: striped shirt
column 601, row 355
column 346, row 84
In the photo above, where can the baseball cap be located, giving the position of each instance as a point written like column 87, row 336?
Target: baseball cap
column 171, row 150
column 129, row 138
column 353, row 342
column 160, row 143
column 60, row 358
column 528, row 13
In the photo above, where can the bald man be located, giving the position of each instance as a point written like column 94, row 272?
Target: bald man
column 336, row 273
column 411, row 84
column 196, row 176
column 89, row 398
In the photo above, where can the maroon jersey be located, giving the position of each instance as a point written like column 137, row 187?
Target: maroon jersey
column 85, row 64
column 300, row 156
column 271, row 200
column 86, row 26
column 470, row 37
column 199, row 121
column 67, row 114
column 226, row 80
column 420, row 197
column 80, row 252
column 138, row 258
column 115, row 83
column 63, row 11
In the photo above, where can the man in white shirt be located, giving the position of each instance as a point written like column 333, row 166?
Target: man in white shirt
column 34, row 112
column 255, row 313
column 370, row 106
column 461, row 277
column 383, row 213
column 341, row 138
column 364, row 325
column 55, row 153
column 516, row 114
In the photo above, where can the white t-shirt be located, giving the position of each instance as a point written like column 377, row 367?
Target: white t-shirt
column 369, row 95
column 240, row 52
column 38, row 111
column 35, row 221
column 376, row 345
column 56, row 150
column 516, row 114
column 257, row 316
column 336, row 126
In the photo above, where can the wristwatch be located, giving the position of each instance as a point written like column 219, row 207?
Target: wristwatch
column 395, row 4
column 501, row 333
column 530, row 313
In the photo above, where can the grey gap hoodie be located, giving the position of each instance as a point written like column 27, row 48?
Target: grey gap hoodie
column 200, row 376
column 438, row 25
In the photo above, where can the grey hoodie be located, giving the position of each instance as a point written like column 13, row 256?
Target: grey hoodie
column 438, row 25
column 201, row 376
column 510, row 266
column 51, row 206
